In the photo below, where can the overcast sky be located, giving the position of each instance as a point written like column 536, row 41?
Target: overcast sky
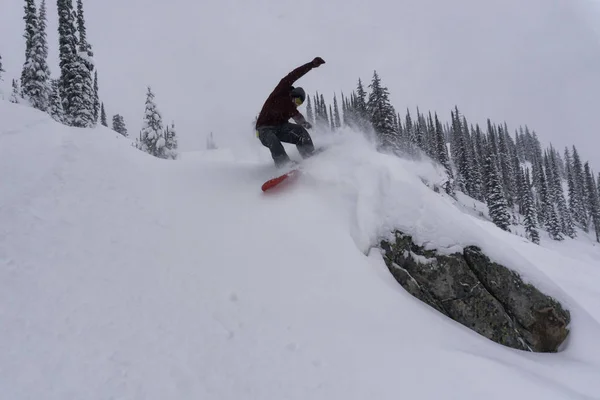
column 212, row 63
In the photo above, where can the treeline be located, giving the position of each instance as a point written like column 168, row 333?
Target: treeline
column 73, row 97
column 521, row 183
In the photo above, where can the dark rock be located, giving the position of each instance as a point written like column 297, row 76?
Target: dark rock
column 540, row 318
column 483, row 296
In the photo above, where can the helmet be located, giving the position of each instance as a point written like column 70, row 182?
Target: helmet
column 299, row 93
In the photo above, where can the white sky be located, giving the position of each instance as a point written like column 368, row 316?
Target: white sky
column 212, row 63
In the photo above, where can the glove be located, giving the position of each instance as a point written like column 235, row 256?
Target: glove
column 317, row 61
column 306, row 124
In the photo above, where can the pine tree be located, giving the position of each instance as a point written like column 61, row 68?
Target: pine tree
column 210, row 142
column 419, row 131
column 476, row 171
column 497, row 205
column 14, row 96
column 70, row 82
column 361, row 117
column 461, row 154
column 482, row 152
column 558, row 196
column 152, row 140
column 505, row 166
column 336, row 113
column 96, row 106
column 103, row 115
column 529, row 210
column 579, row 191
column 598, row 186
column 442, row 156
column 1, row 69
column 409, row 138
column 331, row 119
column 35, row 75
column 551, row 220
column 43, row 25
column 118, row 125
column 592, row 200
column 309, row 111
column 518, row 179
column 31, row 28
column 171, row 142
column 575, row 208
column 381, row 115
column 83, row 115
column 55, row 110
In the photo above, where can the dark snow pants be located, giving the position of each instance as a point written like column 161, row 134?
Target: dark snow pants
column 272, row 136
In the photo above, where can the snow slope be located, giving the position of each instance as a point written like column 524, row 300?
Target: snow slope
column 125, row 276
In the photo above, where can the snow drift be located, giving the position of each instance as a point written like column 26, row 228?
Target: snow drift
column 125, row 276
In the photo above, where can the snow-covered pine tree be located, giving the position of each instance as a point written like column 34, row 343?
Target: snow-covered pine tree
column 551, row 220
column 171, row 142
column 1, row 69
column 593, row 204
column 43, row 25
column 574, row 205
column 598, row 188
column 520, row 190
column 403, row 140
column 409, row 138
column 505, row 165
column 31, row 27
column 528, row 209
column 96, row 106
column 84, row 67
column 15, row 97
column 69, row 84
column 469, row 155
column 309, row 111
column 558, row 196
column 442, row 156
column 118, row 125
column 337, row 121
column 331, row 119
column 581, row 214
column 461, row 157
column 152, row 140
column 520, row 145
column 481, row 149
column 381, row 115
column 419, row 132
column 346, row 111
column 491, row 138
column 360, row 108
column 35, row 76
column 529, row 145
column 476, row 168
column 43, row 47
column 55, row 110
column 429, row 137
column 103, row 115
column 496, row 202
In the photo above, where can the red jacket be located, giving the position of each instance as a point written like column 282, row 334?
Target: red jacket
column 279, row 107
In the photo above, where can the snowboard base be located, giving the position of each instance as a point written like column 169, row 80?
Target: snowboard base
column 274, row 182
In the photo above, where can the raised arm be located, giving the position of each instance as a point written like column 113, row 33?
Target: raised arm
column 298, row 73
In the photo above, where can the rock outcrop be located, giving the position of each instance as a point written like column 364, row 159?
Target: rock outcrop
column 482, row 295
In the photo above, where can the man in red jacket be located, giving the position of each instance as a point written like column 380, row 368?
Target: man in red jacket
column 272, row 124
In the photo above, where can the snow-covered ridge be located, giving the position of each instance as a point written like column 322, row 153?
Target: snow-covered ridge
column 123, row 275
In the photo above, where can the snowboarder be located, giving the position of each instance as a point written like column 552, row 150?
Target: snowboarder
column 272, row 124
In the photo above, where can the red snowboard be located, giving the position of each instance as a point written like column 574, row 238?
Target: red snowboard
column 271, row 183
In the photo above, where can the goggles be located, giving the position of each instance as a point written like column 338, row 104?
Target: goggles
column 298, row 101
